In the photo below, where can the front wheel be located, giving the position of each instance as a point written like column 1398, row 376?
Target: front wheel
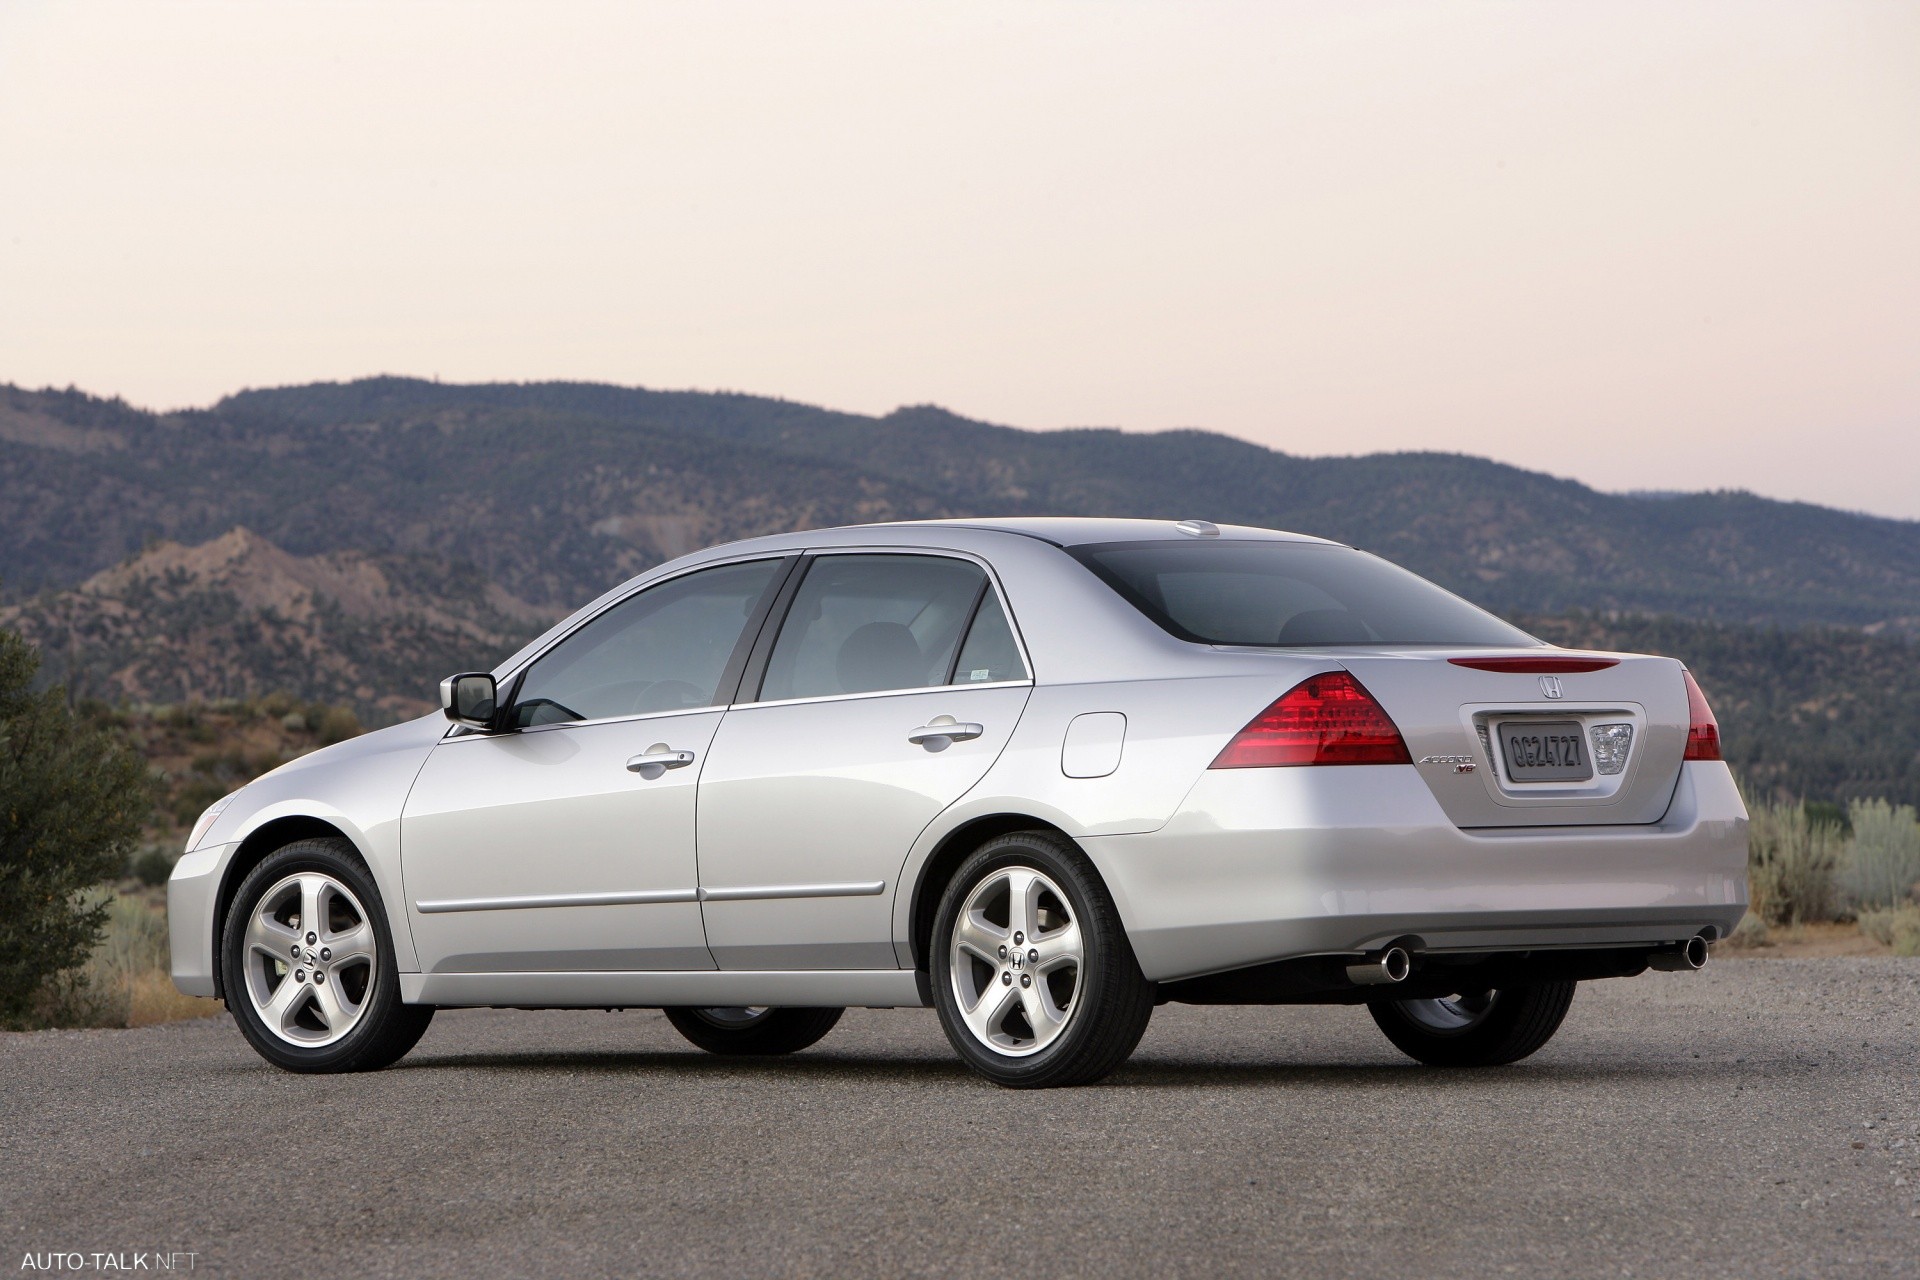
column 1033, row 977
column 1476, row 1028
column 752, row 1030
column 308, row 962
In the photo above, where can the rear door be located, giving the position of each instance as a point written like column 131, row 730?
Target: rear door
column 1526, row 738
column 894, row 682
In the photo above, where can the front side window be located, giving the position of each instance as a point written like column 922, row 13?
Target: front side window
column 663, row 649
column 1289, row 594
column 867, row 623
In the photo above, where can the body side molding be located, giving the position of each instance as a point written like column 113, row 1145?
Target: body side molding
column 743, row 893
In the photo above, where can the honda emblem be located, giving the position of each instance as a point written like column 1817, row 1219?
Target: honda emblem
column 1550, row 685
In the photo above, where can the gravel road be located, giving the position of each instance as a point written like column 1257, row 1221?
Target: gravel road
column 1759, row 1119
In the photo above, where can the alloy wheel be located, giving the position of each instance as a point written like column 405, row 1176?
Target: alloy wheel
column 1016, row 957
column 1459, row 1012
column 311, row 959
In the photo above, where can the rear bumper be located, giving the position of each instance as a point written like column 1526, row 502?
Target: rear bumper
column 1269, row 864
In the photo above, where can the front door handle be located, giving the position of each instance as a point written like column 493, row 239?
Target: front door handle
column 657, row 759
column 942, row 732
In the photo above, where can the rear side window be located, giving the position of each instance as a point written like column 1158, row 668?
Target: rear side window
column 867, row 623
column 989, row 653
column 1289, row 594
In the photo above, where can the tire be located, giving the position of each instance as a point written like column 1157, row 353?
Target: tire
column 343, row 1012
column 753, row 1031
column 1040, row 1016
column 1477, row 1029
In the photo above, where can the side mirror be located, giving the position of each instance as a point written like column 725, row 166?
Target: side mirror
column 469, row 699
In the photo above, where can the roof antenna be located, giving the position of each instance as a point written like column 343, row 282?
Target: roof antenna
column 1198, row 528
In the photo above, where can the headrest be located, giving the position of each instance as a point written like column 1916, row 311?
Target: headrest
column 881, row 655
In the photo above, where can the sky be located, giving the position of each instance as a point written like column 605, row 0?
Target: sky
column 1646, row 246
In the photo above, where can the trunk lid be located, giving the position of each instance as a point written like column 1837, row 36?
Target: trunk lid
column 1518, row 748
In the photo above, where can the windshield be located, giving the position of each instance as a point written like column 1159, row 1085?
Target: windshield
column 1289, row 594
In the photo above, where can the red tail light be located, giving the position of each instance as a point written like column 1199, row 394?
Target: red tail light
column 1326, row 719
column 1703, row 731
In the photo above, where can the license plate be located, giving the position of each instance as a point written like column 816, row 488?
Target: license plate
column 1546, row 751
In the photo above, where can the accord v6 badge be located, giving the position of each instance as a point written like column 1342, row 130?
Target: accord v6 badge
column 1461, row 764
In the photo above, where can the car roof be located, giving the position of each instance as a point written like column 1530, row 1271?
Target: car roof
column 1073, row 531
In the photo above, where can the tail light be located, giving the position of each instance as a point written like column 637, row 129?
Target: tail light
column 1325, row 719
column 1703, row 731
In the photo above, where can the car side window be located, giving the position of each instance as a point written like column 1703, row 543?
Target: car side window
column 989, row 652
column 868, row 623
column 662, row 649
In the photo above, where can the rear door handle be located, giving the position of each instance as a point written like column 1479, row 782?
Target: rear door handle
column 657, row 759
column 943, row 731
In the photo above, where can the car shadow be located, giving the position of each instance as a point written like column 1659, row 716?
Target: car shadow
column 1148, row 1074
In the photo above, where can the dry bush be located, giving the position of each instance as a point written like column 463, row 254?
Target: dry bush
column 1882, row 868
column 1791, row 864
column 1898, row 928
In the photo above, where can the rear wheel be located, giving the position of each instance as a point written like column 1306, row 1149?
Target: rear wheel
column 1033, row 977
column 1475, row 1028
column 731, row 1030
column 308, row 962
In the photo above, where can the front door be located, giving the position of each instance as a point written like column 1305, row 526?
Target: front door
column 894, row 684
column 565, row 842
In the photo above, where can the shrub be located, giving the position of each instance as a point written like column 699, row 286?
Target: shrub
column 1791, row 864
column 336, row 724
column 1899, row 929
column 152, row 866
column 72, row 801
column 1883, row 867
column 1750, row 932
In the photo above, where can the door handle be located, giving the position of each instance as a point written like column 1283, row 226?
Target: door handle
column 657, row 759
column 942, row 732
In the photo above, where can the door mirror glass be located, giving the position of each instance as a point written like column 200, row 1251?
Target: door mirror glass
column 469, row 699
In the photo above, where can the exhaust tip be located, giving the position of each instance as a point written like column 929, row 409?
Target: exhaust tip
column 1686, row 957
column 1392, row 964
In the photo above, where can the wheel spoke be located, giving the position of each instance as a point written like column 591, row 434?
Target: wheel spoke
column 1058, row 949
column 1042, row 1016
column 312, row 890
column 285, row 1004
column 350, row 945
column 268, row 937
column 977, row 935
column 334, row 1011
column 989, row 1009
column 1023, row 893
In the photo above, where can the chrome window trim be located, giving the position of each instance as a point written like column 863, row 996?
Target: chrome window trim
column 514, row 673
column 458, row 733
column 884, row 693
column 993, row 582
column 461, row 733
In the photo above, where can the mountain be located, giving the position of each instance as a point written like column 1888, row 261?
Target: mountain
column 555, row 490
column 238, row 617
column 353, row 542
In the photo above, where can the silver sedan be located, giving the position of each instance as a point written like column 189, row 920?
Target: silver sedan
column 1039, row 774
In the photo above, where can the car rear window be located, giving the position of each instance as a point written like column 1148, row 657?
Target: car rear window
column 1289, row 594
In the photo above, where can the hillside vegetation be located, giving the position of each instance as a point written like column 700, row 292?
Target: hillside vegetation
column 1817, row 713
column 554, row 490
column 352, row 543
